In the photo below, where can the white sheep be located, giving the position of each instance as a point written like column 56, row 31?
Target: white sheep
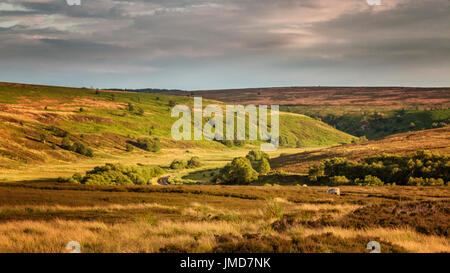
column 336, row 191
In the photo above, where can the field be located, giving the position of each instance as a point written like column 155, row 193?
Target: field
column 395, row 97
column 44, row 217
column 184, row 209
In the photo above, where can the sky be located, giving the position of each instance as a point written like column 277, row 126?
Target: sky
column 221, row 44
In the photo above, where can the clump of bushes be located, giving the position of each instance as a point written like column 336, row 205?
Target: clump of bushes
column 134, row 109
column 422, row 168
column 149, row 144
column 76, row 147
column 256, row 155
column 116, row 174
column 239, row 171
column 178, row 164
column 192, row 163
column 129, row 147
column 419, row 181
column 233, row 143
column 244, row 170
column 259, row 161
column 369, row 180
column 263, row 167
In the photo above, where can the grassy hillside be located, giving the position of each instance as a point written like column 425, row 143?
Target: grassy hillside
column 436, row 140
column 360, row 111
column 34, row 120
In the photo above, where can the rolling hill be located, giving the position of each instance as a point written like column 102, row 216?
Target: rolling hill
column 372, row 112
column 436, row 140
column 34, row 120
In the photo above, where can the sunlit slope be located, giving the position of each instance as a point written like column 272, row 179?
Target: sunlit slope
column 34, row 120
column 435, row 140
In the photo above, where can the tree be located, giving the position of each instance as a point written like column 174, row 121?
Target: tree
column 178, row 164
column 66, row 143
column 194, row 162
column 255, row 155
column 239, row 171
column 148, row 144
column 264, row 167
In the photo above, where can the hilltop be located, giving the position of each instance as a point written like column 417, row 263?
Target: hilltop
column 436, row 140
column 35, row 119
column 330, row 96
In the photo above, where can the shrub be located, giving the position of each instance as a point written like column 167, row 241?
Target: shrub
column 76, row 147
column 129, row 147
column 263, row 167
column 420, row 181
column 80, row 148
column 149, row 144
column 388, row 168
column 339, row 180
column 194, row 162
column 256, row 155
column 369, row 180
column 178, row 164
column 117, row 174
column 66, row 143
column 273, row 209
column 239, row 171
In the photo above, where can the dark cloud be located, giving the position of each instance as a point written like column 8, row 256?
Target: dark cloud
column 196, row 44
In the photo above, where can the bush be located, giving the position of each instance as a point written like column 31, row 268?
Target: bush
column 80, row 148
column 339, row 180
column 66, row 143
column 149, row 144
column 194, row 162
column 239, row 171
column 256, row 155
column 420, row 181
column 178, row 164
column 369, row 181
column 76, row 147
column 263, row 167
column 129, row 147
column 117, row 174
column 422, row 168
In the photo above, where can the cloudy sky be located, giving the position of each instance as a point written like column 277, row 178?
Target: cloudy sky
column 214, row 44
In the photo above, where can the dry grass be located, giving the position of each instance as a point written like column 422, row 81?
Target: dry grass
column 407, row 238
column 44, row 217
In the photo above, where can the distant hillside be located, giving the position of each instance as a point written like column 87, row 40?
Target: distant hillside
column 437, row 140
column 145, row 90
column 329, row 96
column 35, row 120
column 372, row 112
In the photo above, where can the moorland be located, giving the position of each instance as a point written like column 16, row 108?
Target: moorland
column 100, row 167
